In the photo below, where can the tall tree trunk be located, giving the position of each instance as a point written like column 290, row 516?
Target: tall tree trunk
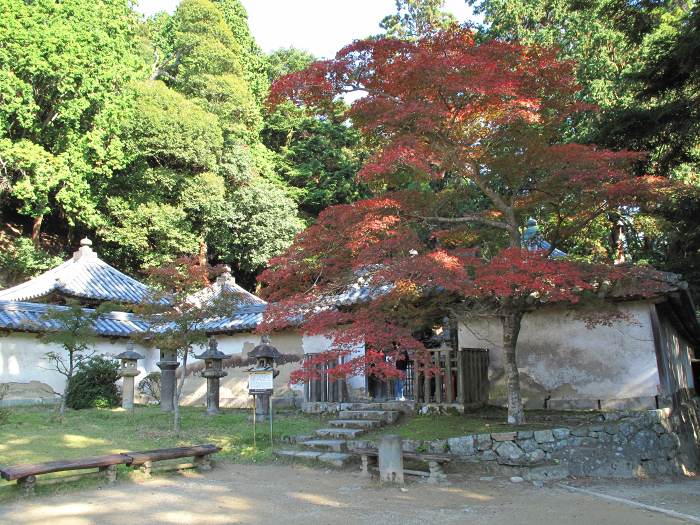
column 203, row 253
column 511, row 329
column 64, row 397
column 178, row 393
column 36, row 230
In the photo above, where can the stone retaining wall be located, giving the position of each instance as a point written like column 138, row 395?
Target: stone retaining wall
column 621, row 444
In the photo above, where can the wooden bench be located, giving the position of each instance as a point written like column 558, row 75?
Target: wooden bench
column 436, row 462
column 200, row 453
column 25, row 475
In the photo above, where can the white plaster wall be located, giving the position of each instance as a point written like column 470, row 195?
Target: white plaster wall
column 679, row 357
column 559, row 356
column 24, row 367
column 233, row 390
column 315, row 344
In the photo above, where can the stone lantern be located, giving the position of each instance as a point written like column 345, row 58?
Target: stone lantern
column 128, row 371
column 213, row 371
column 168, row 364
column 265, row 356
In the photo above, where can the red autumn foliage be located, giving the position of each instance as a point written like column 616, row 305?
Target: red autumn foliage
column 468, row 142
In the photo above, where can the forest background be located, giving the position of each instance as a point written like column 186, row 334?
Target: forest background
column 152, row 136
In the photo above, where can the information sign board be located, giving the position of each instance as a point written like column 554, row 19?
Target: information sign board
column 260, row 381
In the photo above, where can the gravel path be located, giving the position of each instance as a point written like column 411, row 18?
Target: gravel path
column 291, row 494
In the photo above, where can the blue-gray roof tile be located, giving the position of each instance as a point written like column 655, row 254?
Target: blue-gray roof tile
column 86, row 276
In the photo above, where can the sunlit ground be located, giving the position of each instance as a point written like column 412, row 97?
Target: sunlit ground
column 32, row 435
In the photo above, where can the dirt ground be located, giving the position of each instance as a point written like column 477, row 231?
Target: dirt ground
column 290, row 494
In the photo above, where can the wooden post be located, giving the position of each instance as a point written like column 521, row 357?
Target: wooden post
column 426, row 388
column 460, row 375
column 449, row 393
column 416, row 383
column 438, row 377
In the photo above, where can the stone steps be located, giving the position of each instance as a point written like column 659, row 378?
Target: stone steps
column 336, row 459
column 335, row 445
column 330, row 445
column 340, row 433
column 365, row 424
column 386, row 416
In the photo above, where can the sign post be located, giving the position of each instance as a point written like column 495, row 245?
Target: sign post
column 260, row 383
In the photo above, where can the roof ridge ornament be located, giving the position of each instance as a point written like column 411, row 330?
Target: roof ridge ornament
column 226, row 276
column 85, row 249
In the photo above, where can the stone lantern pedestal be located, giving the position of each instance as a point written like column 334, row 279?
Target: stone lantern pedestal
column 213, row 372
column 168, row 364
column 265, row 355
column 128, row 371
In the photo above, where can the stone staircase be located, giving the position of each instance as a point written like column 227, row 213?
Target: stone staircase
column 330, row 445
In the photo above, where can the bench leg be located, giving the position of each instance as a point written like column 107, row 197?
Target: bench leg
column 110, row 473
column 437, row 474
column 27, row 485
column 146, row 468
column 202, row 463
column 367, row 461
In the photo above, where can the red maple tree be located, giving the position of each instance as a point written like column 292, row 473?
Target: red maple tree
column 469, row 142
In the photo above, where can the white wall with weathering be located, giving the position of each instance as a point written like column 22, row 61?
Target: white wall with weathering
column 575, row 366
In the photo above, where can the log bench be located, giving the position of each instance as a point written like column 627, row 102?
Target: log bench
column 200, row 453
column 25, row 475
column 436, row 462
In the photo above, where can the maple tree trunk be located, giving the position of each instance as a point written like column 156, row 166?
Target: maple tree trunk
column 177, row 394
column 511, row 329
column 36, row 230
column 64, row 398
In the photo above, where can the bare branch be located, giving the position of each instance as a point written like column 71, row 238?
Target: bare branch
column 467, row 219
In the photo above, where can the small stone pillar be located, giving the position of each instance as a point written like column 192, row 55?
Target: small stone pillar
column 168, row 364
column 213, row 371
column 391, row 459
column 128, row 371
column 265, row 355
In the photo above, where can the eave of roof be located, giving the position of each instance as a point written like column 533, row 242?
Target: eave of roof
column 84, row 276
column 30, row 317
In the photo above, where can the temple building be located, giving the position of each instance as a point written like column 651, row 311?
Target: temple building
column 646, row 358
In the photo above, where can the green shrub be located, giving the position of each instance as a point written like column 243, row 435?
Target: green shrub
column 94, row 384
column 150, row 386
column 4, row 411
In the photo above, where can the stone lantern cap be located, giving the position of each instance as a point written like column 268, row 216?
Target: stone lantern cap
column 212, row 351
column 265, row 349
column 129, row 354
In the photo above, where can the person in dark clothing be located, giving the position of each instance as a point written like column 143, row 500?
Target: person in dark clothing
column 402, row 365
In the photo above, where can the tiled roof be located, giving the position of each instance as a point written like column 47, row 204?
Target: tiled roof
column 85, row 275
column 29, row 317
column 245, row 319
column 226, row 285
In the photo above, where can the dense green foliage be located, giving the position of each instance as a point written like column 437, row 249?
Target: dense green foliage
column 145, row 135
column 94, row 384
column 638, row 63
column 152, row 136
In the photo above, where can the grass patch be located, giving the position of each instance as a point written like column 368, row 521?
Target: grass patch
column 32, row 435
column 490, row 419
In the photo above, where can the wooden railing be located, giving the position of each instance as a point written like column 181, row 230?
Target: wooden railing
column 325, row 389
column 463, row 378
